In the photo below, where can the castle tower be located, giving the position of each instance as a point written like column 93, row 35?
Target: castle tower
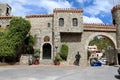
column 5, row 9
column 116, row 22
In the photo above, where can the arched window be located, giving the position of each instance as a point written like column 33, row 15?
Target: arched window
column 61, row 22
column 75, row 22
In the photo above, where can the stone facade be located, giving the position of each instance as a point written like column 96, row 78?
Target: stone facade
column 64, row 26
column 5, row 9
column 4, row 22
column 76, row 37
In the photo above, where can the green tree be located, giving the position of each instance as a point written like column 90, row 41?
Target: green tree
column 14, row 36
column 101, row 43
column 28, row 45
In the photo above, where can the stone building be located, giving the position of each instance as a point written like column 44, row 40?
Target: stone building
column 64, row 26
column 5, row 9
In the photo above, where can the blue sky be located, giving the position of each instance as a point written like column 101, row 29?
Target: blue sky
column 95, row 11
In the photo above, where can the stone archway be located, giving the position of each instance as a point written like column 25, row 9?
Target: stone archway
column 102, row 34
column 47, row 51
column 112, row 38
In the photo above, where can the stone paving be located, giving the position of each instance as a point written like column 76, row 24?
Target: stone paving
column 47, row 72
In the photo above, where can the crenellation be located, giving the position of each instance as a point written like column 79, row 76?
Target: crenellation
column 67, row 10
column 39, row 15
column 117, row 7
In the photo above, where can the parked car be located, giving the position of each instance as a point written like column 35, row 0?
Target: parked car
column 103, row 61
column 96, row 63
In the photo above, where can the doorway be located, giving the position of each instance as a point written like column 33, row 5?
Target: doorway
column 118, row 59
column 46, row 51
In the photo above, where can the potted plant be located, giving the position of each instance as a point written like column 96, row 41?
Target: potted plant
column 36, row 56
column 57, row 59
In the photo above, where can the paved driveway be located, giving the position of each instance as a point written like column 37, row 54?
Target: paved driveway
column 58, row 73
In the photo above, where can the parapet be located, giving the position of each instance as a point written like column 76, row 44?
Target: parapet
column 39, row 15
column 99, row 27
column 6, row 17
column 117, row 7
column 67, row 10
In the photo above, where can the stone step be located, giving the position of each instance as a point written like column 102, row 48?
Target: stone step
column 46, row 62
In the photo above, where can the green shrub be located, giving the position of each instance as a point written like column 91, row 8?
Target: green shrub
column 58, row 58
column 36, row 54
column 64, row 52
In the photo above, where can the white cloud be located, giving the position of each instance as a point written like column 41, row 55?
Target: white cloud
column 98, row 7
column 19, row 7
column 49, row 5
column 87, row 19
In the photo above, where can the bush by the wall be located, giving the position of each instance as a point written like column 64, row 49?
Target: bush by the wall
column 64, row 52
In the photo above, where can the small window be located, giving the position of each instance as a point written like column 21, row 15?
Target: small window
column 114, row 21
column 75, row 22
column 0, row 26
column 7, row 26
column 61, row 22
column 7, row 11
column 48, row 24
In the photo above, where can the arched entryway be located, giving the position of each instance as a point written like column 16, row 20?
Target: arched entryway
column 104, row 35
column 46, row 51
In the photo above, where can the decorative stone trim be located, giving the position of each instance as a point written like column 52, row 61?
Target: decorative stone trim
column 99, row 27
column 6, row 17
column 39, row 15
column 67, row 10
column 117, row 7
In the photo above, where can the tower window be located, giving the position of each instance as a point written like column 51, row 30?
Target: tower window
column 75, row 21
column 114, row 21
column 48, row 24
column 7, row 11
column 61, row 22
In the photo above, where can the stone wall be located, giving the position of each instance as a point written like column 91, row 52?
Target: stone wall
column 24, row 59
column 4, row 22
column 5, row 10
column 40, row 30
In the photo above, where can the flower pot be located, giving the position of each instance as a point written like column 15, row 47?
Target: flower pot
column 57, row 63
column 36, row 62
